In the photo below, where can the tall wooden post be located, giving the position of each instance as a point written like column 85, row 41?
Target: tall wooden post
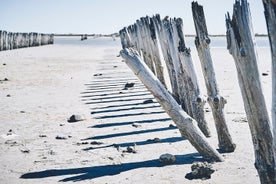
column 1, row 40
column 187, row 125
column 191, row 82
column 241, row 46
column 167, row 55
column 15, row 41
column 4, row 40
column 270, row 15
column 216, row 101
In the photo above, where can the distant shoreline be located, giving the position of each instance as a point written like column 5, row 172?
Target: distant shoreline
column 117, row 35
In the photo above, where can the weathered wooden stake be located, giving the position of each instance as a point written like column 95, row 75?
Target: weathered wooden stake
column 270, row 15
column 167, row 55
column 187, row 125
column 241, row 46
column 191, row 82
column 216, row 101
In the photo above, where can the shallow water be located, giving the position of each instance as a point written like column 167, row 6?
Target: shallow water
column 216, row 42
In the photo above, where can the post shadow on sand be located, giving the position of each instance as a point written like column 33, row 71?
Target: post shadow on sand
column 85, row 173
column 125, row 109
column 140, row 143
column 121, row 123
column 129, row 133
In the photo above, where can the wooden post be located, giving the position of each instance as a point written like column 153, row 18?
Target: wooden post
column 10, row 40
column 241, row 46
column 185, row 123
column 182, row 93
column 270, row 15
column 1, row 40
column 4, row 40
column 191, row 82
column 216, row 101
column 52, row 38
column 15, row 41
column 162, row 32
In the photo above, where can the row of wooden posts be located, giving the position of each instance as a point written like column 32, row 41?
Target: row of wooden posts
column 10, row 40
column 154, row 48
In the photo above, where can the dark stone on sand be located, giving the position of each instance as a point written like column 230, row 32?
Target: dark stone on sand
column 130, row 150
column 4, row 64
column 96, row 143
column 154, row 140
column 59, row 137
column 42, row 135
column 172, row 126
column 98, row 74
column 200, row 170
column 136, row 125
column 6, row 79
column 8, row 96
column 25, row 150
column 129, row 85
column 82, row 143
column 264, row 74
column 167, row 158
column 148, row 101
column 75, row 118
column 22, row 112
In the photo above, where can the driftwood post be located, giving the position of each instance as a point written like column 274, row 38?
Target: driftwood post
column 1, row 40
column 270, row 15
column 162, row 34
column 216, row 101
column 241, row 46
column 191, row 82
column 185, row 123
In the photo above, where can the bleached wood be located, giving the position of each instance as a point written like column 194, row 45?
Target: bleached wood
column 187, row 125
column 216, row 101
column 162, row 32
column 11, row 40
column 191, row 82
column 176, row 64
column 240, row 39
column 270, row 15
column 1, row 40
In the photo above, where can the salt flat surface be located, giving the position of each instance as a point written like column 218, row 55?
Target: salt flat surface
column 47, row 84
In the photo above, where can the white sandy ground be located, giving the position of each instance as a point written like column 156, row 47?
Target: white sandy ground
column 50, row 83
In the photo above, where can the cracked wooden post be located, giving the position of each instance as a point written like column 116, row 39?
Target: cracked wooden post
column 270, row 15
column 241, row 46
column 1, row 40
column 216, row 101
column 192, row 87
column 186, row 125
column 167, row 55
column 182, row 93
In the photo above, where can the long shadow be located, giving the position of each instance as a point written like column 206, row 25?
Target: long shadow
column 118, row 95
column 141, row 143
column 113, row 92
column 113, row 79
column 106, row 90
column 103, row 87
column 85, row 173
column 119, row 100
column 128, row 133
column 124, row 109
column 122, row 105
column 130, row 122
column 130, row 114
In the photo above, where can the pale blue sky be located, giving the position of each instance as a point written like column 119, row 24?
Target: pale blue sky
column 109, row 16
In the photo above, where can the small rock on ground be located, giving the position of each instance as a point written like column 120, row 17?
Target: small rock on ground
column 167, row 158
column 75, row 118
column 200, row 170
